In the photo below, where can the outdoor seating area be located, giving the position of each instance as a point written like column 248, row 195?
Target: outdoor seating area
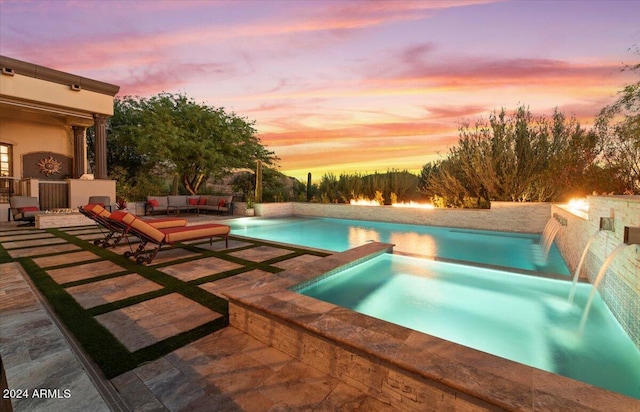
column 198, row 204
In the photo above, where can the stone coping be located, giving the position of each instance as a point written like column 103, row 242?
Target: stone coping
column 489, row 379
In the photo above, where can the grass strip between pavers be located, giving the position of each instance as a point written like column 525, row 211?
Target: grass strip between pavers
column 111, row 356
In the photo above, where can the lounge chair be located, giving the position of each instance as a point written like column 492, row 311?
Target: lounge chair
column 24, row 209
column 150, row 235
column 118, row 230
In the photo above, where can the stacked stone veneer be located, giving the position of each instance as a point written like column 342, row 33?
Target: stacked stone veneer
column 620, row 288
column 503, row 216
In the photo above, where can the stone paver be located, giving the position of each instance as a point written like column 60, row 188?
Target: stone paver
column 111, row 290
column 219, row 286
column 85, row 271
column 65, row 259
column 146, row 323
column 24, row 236
column 231, row 371
column 32, row 242
column 167, row 255
column 37, row 251
column 261, row 253
column 196, row 269
column 36, row 355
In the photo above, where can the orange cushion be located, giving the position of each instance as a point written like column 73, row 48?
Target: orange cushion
column 181, row 234
column 97, row 209
column 165, row 223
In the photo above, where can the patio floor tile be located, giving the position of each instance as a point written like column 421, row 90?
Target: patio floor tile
column 85, row 271
column 260, row 253
column 167, row 255
column 24, row 236
column 219, row 286
column 74, row 257
column 37, row 251
column 111, row 290
column 32, row 242
column 196, row 269
column 146, row 323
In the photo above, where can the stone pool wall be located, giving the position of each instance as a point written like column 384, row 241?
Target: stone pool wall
column 503, row 216
column 620, row 287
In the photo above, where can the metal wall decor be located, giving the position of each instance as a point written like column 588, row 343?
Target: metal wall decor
column 49, row 166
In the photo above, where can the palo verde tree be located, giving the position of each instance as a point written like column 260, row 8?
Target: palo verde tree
column 172, row 134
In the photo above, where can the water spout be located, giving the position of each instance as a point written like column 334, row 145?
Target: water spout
column 596, row 283
column 576, row 274
column 540, row 252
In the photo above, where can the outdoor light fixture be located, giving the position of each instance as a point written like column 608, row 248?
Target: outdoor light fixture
column 76, row 87
column 8, row 71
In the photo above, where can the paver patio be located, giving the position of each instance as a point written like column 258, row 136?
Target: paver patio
column 224, row 370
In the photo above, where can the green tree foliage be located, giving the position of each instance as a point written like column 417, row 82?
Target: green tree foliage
column 516, row 157
column 172, row 134
column 618, row 128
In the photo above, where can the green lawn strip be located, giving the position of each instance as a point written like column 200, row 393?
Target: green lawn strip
column 94, row 279
column 105, row 350
column 4, row 255
column 151, row 273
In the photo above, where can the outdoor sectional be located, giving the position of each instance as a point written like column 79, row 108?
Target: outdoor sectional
column 176, row 204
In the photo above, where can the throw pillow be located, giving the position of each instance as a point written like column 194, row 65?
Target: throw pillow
column 28, row 209
column 193, row 201
column 153, row 202
column 202, row 201
column 221, row 203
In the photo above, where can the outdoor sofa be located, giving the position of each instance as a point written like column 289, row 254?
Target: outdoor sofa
column 176, row 204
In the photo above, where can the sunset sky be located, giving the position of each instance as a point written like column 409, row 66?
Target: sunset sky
column 342, row 86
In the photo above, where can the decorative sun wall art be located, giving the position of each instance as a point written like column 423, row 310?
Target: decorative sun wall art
column 49, row 166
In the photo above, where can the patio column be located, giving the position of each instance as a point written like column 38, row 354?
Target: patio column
column 100, row 123
column 79, row 151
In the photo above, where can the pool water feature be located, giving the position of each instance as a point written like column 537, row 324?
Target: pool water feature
column 508, row 250
column 526, row 319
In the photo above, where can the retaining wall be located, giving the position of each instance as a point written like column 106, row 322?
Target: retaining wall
column 503, row 216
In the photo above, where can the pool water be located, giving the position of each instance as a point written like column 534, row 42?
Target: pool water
column 509, row 250
column 526, row 319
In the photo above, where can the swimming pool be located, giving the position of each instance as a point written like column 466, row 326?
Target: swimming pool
column 509, row 250
column 522, row 318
